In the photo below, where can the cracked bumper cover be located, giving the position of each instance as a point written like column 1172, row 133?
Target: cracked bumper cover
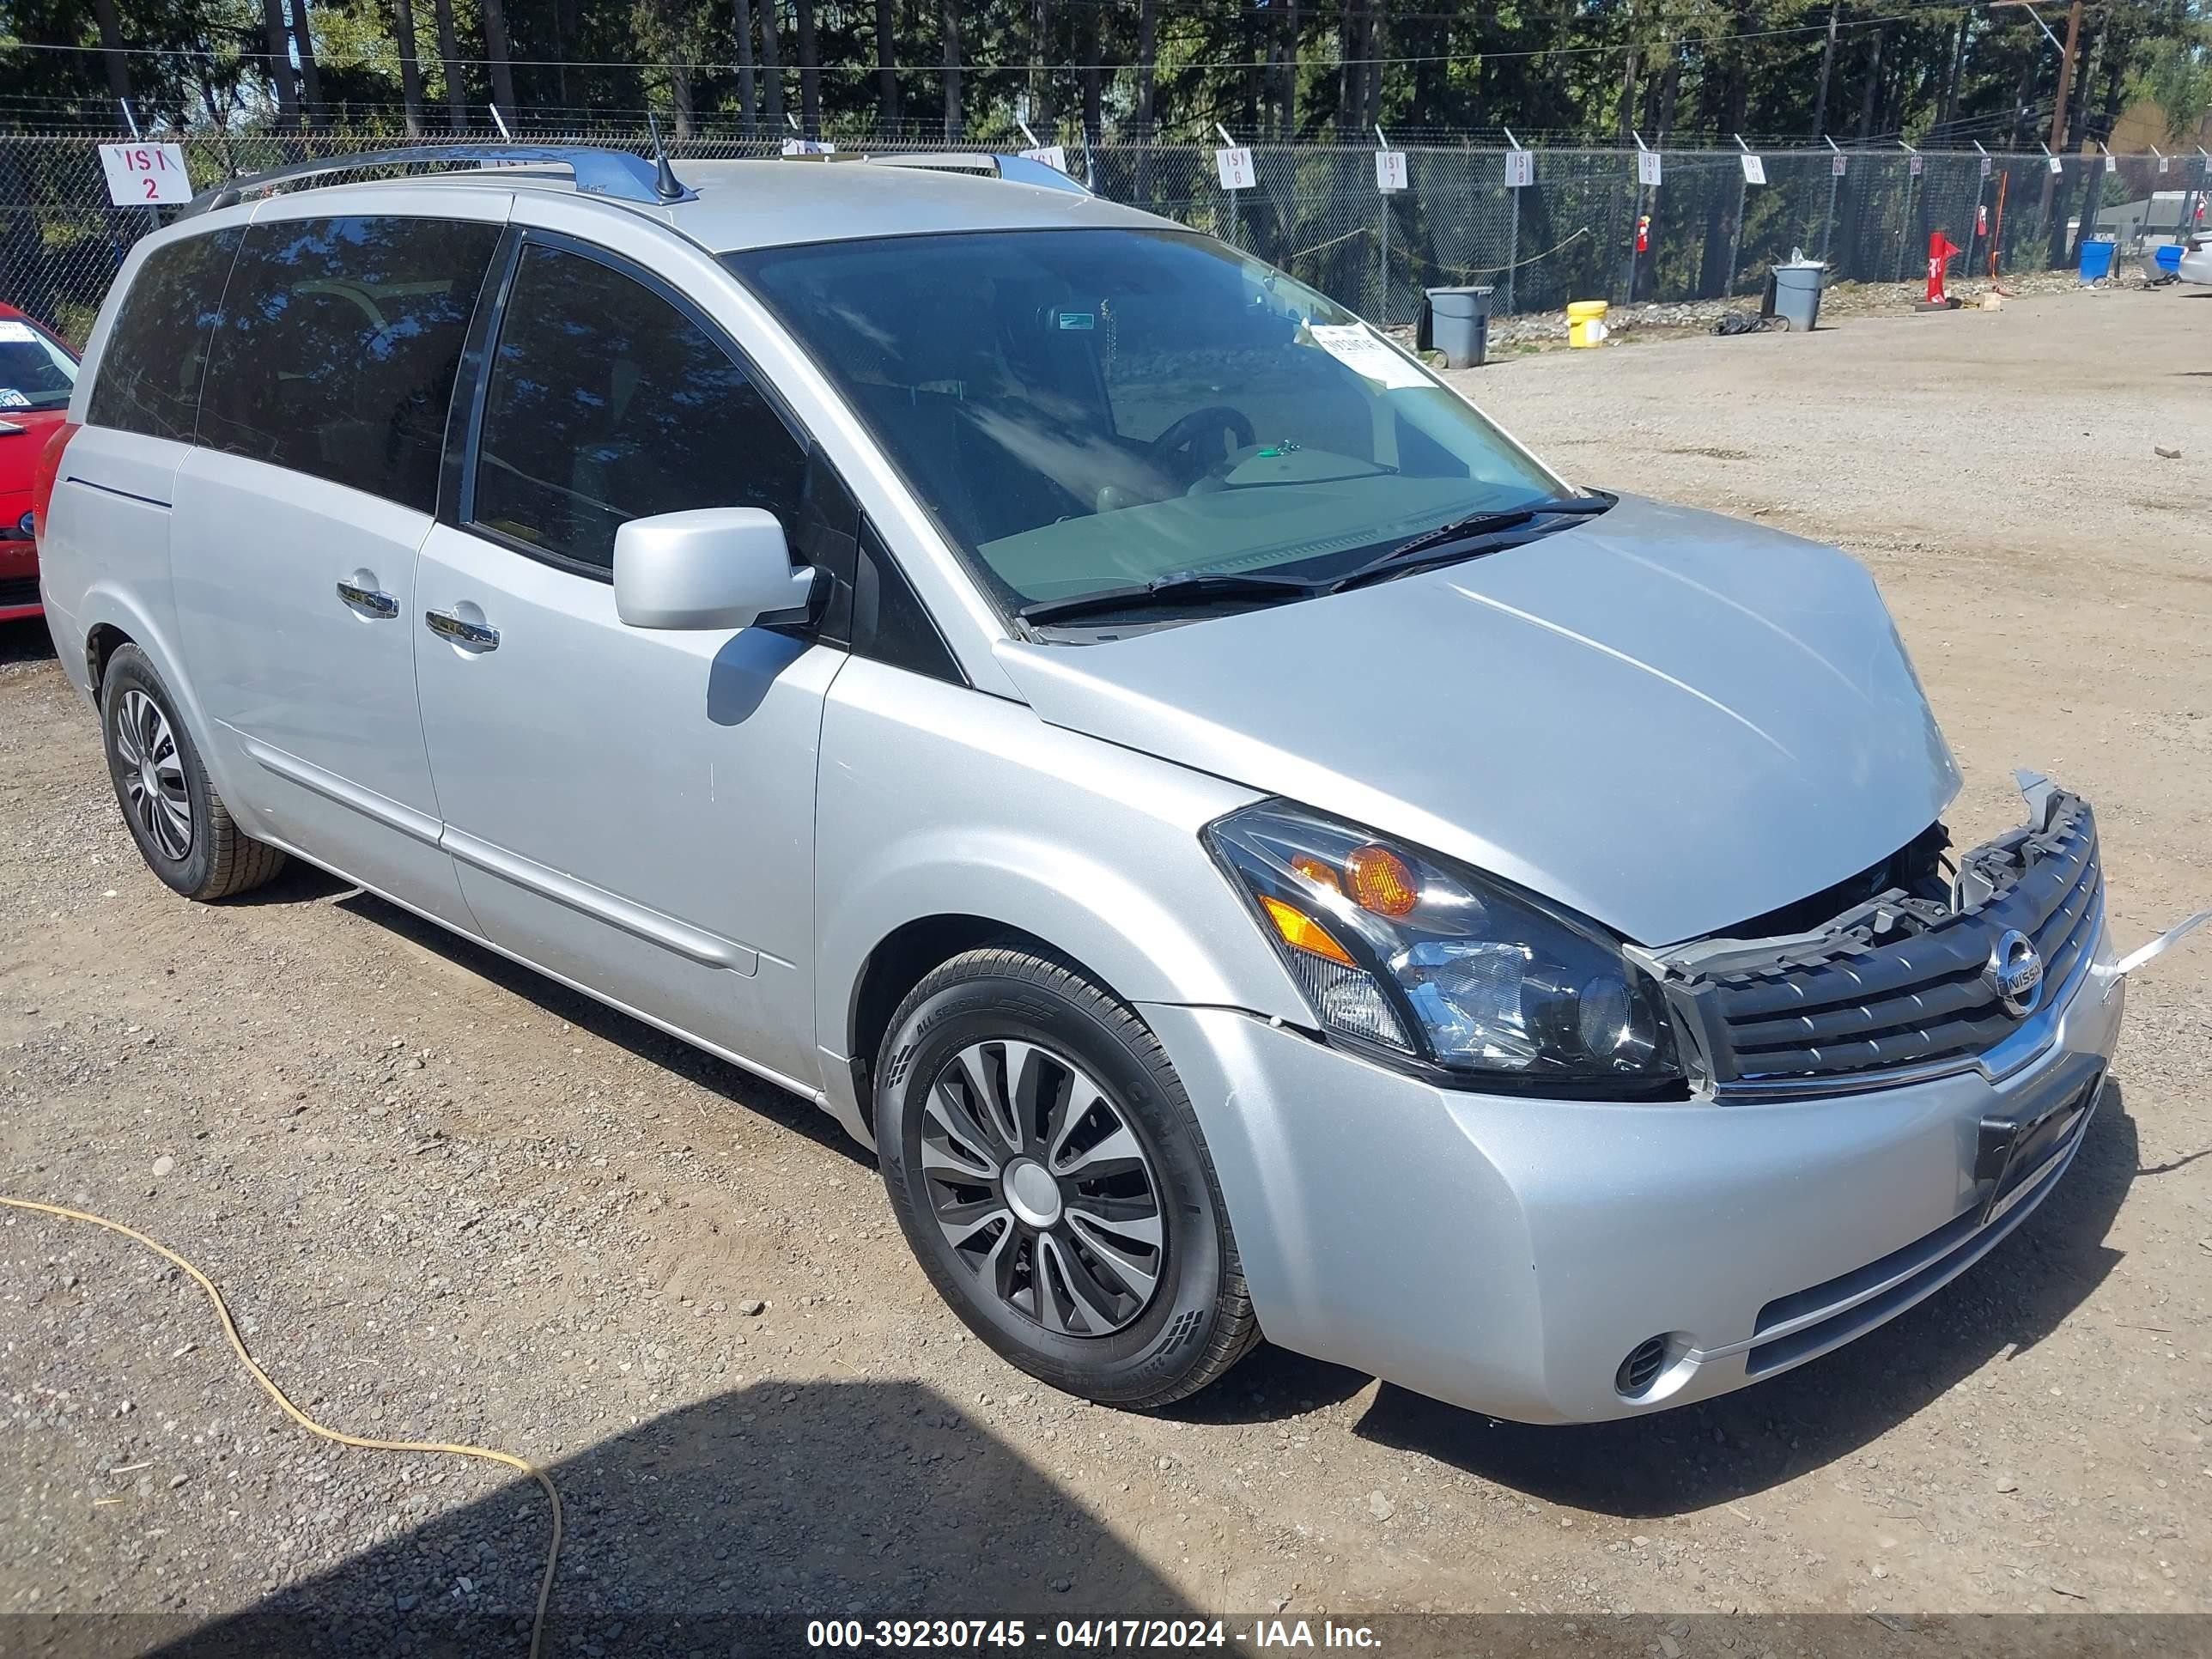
column 1505, row 1254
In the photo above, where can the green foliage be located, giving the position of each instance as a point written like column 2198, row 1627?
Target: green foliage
column 2176, row 75
column 1549, row 69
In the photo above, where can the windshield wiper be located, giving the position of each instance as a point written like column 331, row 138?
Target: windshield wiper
column 1435, row 546
column 1171, row 589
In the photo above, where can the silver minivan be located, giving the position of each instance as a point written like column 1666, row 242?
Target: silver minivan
column 1251, row 847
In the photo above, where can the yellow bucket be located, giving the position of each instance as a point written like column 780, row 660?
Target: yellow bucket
column 1586, row 322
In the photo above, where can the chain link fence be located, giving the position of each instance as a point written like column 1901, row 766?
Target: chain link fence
column 1572, row 233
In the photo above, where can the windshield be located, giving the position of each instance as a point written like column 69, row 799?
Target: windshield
column 35, row 372
column 1085, row 411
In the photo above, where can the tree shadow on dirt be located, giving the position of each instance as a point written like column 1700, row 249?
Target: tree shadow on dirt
column 1705, row 1453
column 722, row 1527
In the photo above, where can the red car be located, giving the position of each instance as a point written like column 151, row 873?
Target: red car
column 37, row 372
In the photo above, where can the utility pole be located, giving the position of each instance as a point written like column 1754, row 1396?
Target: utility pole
column 2065, row 76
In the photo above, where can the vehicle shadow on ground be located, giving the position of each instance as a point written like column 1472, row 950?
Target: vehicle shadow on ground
column 1705, row 1453
column 303, row 884
column 687, row 1532
column 26, row 641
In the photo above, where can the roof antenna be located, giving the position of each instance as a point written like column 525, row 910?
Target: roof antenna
column 663, row 176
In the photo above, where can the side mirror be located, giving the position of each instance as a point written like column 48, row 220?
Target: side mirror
column 715, row 567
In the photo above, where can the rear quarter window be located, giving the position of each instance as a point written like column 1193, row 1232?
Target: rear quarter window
column 148, row 378
column 338, row 346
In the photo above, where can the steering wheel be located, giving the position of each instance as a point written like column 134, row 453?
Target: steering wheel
column 1178, row 454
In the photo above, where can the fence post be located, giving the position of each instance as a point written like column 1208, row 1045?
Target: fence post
column 1905, row 219
column 1635, row 214
column 1828, row 229
column 1735, row 236
column 1383, row 196
column 1974, row 225
column 1512, row 232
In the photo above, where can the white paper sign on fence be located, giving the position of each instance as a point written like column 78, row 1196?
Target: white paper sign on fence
column 1234, row 166
column 1519, row 168
column 1052, row 155
column 1389, row 169
column 1647, row 167
column 2058, row 166
column 2162, row 161
column 1985, row 167
column 1914, row 165
column 1754, row 169
column 141, row 175
column 2112, row 163
column 1837, row 165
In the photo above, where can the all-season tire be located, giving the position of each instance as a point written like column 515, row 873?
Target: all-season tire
column 184, row 831
column 1077, row 1319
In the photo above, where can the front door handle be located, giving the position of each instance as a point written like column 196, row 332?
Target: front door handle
column 469, row 635
column 369, row 601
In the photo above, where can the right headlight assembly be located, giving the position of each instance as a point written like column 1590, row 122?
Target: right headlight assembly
column 1419, row 961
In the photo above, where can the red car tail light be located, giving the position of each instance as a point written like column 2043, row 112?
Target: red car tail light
column 44, row 472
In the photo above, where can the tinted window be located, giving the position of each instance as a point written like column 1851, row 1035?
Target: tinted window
column 889, row 621
column 338, row 345
column 608, row 403
column 150, row 375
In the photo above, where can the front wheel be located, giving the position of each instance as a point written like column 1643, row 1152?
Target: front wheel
column 1048, row 1172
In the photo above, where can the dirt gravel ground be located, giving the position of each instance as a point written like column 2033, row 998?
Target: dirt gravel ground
column 451, row 1201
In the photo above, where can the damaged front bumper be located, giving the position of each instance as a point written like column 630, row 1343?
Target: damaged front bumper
column 1917, row 980
column 1517, row 1256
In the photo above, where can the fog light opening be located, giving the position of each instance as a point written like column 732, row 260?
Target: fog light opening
column 1645, row 1364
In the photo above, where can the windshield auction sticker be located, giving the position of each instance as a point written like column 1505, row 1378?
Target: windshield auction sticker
column 1358, row 348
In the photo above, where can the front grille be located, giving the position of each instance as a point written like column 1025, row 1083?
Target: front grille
column 19, row 589
column 1847, row 1008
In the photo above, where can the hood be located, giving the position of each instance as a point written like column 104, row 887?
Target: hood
column 1668, row 721
column 19, row 450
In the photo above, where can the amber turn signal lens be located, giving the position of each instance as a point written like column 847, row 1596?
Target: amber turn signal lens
column 1306, row 864
column 1381, row 882
column 1301, row 930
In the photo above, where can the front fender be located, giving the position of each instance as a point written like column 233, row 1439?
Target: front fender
column 940, row 801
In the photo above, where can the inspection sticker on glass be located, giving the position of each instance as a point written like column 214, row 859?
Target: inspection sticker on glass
column 20, row 332
column 1357, row 347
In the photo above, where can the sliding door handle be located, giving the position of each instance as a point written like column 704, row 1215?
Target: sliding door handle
column 469, row 635
column 369, row 601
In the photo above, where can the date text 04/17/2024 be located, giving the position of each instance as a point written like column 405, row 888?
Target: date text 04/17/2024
column 1084, row 1635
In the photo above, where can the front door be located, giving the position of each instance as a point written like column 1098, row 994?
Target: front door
column 630, row 810
column 298, row 518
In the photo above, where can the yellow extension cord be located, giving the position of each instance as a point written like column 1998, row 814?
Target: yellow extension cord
column 230, row 1330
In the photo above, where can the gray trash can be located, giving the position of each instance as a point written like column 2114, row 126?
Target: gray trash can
column 1459, row 325
column 1793, row 291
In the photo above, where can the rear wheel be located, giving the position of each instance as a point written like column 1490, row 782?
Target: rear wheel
column 184, row 831
column 1047, row 1170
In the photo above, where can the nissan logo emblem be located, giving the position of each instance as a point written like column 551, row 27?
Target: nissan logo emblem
column 2015, row 973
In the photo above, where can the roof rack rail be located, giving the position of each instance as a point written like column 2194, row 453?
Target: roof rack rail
column 614, row 173
column 1020, row 169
